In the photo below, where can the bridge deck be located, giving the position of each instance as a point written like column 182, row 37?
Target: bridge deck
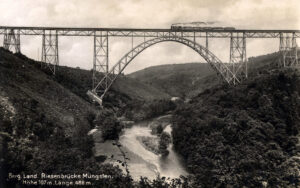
column 148, row 32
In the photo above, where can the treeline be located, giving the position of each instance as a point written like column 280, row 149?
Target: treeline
column 141, row 110
column 243, row 136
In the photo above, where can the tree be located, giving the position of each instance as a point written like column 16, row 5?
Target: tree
column 165, row 140
column 159, row 129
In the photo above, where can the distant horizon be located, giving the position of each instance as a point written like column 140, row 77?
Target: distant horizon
column 127, row 73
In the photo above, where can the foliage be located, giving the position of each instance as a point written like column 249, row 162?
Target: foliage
column 242, row 136
column 48, row 132
column 178, row 80
column 108, row 124
column 164, row 141
column 159, row 129
column 141, row 110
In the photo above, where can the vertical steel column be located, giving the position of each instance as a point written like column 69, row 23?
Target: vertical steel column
column 50, row 50
column 12, row 39
column 288, row 49
column 238, row 55
column 100, row 61
column 206, row 42
column 131, row 45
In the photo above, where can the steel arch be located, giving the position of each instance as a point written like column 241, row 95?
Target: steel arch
column 108, row 79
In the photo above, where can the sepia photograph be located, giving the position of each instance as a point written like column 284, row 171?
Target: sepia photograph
column 150, row 94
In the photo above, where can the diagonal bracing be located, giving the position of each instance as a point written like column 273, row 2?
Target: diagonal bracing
column 12, row 40
column 100, row 60
column 50, row 50
column 105, row 83
column 288, row 49
column 238, row 57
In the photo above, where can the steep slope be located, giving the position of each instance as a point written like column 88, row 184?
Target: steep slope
column 80, row 81
column 44, row 126
column 22, row 81
column 245, row 135
column 127, row 96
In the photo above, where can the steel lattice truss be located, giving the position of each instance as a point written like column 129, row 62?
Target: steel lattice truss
column 288, row 49
column 108, row 79
column 100, row 58
column 238, row 58
column 127, row 32
column 12, row 40
column 232, row 73
column 50, row 50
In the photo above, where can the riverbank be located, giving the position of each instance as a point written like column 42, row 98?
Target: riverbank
column 149, row 143
column 142, row 162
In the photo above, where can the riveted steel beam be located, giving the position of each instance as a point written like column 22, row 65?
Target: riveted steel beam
column 238, row 55
column 12, row 40
column 289, row 50
column 50, row 50
column 100, row 60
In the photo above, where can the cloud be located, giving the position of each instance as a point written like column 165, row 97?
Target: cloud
column 253, row 14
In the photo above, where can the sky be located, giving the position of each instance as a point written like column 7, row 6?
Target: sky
column 78, row 51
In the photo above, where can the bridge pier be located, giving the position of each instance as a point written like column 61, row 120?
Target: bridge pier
column 50, row 50
column 12, row 39
column 288, row 49
column 100, row 61
column 238, row 55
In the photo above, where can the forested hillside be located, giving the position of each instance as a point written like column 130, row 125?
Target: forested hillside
column 179, row 80
column 189, row 79
column 44, row 126
column 45, row 120
column 245, row 135
column 241, row 136
column 79, row 81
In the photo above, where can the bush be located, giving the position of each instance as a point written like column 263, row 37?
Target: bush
column 165, row 140
column 108, row 124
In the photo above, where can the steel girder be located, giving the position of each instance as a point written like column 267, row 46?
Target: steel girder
column 12, row 40
column 238, row 56
column 50, row 50
column 289, row 50
column 225, row 73
column 100, row 61
column 125, row 32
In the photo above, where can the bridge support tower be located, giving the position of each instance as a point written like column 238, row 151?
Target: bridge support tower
column 100, row 61
column 288, row 49
column 12, row 40
column 238, row 56
column 50, row 50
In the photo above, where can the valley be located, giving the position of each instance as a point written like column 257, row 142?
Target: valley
column 219, row 135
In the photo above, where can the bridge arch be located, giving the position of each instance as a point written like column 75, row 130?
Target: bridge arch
column 105, row 83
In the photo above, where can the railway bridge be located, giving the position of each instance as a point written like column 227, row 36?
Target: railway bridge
column 104, row 76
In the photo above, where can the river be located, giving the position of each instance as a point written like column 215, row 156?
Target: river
column 143, row 162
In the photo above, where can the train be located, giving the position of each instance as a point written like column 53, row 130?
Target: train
column 196, row 26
